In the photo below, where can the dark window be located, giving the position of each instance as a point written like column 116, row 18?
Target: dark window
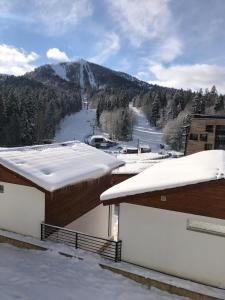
column 220, row 137
column 209, row 128
column 208, row 146
column 99, row 140
column 203, row 137
column 220, row 129
column 1, row 188
column 220, row 142
column 193, row 137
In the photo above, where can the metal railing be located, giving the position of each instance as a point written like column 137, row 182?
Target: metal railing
column 105, row 247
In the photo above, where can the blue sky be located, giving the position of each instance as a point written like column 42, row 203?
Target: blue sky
column 178, row 43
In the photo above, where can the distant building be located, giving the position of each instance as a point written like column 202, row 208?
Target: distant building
column 207, row 132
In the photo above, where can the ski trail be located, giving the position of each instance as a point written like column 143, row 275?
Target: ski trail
column 60, row 70
column 144, row 133
column 77, row 126
column 91, row 76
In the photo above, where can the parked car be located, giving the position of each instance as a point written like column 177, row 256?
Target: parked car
column 99, row 141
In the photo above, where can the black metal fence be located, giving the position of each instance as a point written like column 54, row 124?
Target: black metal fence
column 105, row 247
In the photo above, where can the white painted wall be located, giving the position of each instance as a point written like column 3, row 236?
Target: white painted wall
column 22, row 209
column 158, row 239
column 95, row 222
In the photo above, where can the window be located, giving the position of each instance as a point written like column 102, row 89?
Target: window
column 163, row 197
column 99, row 140
column 203, row 137
column 208, row 146
column 220, row 137
column 209, row 128
column 1, row 188
column 220, row 129
column 193, row 137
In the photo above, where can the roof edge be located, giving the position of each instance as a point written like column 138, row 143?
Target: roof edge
column 123, row 199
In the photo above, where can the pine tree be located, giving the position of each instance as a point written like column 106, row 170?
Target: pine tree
column 219, row 104
column 198, row 104
column 155, row 111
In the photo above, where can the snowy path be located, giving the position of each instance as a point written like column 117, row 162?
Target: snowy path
column 77, row 126
column 38, row 275
column 144, row 133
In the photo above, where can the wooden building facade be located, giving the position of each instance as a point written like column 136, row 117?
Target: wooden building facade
column 206, row 133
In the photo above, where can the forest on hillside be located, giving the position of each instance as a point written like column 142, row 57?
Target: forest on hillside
column 31, row 107
column 113, row 114
column 166, row 108
column 30, row 111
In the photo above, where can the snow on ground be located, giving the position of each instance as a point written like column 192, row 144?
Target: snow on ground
column 77, row 126
column 143, row 132
column 84, row 65
column 49, row 166
column 37, row 275
column 82, row 62
column 178, row 172
column 60, row 70
column 80, row 125
column 91, row 76
column 93, row 260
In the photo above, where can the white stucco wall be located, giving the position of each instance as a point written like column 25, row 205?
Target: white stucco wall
column 158, row 239
column 95, row 222
column 22, row 209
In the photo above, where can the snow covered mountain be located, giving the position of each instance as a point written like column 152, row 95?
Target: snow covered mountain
column 86, row 75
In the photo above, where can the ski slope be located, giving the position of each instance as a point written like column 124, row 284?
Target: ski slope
column 79, row 125
column 144, row 133
column 60, row 70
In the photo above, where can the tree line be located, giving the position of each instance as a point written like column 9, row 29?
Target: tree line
column 31, row 111
column 113, row 114
column 171, row 109
column 166, row 108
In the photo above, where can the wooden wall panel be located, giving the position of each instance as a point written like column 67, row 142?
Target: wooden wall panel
column 205, row 199
column 68, row 204
column 117, row 178
column 198, row 126
column 6, row 175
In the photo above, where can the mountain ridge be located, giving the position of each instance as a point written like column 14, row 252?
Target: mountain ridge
column 59, row 89
column 86, row 74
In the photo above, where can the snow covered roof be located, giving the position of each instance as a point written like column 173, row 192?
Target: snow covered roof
column 57, row 165
column 192, row 169
column 136, row 163
column 133, row 168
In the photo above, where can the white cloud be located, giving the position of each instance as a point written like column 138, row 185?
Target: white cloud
column 53, row 17
column 169, row 49
column 109, row 46
column 58, row 16
column 141, row 20
column 189, row 76
column 16, row 61
column 142, row 75
column 56, row 54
